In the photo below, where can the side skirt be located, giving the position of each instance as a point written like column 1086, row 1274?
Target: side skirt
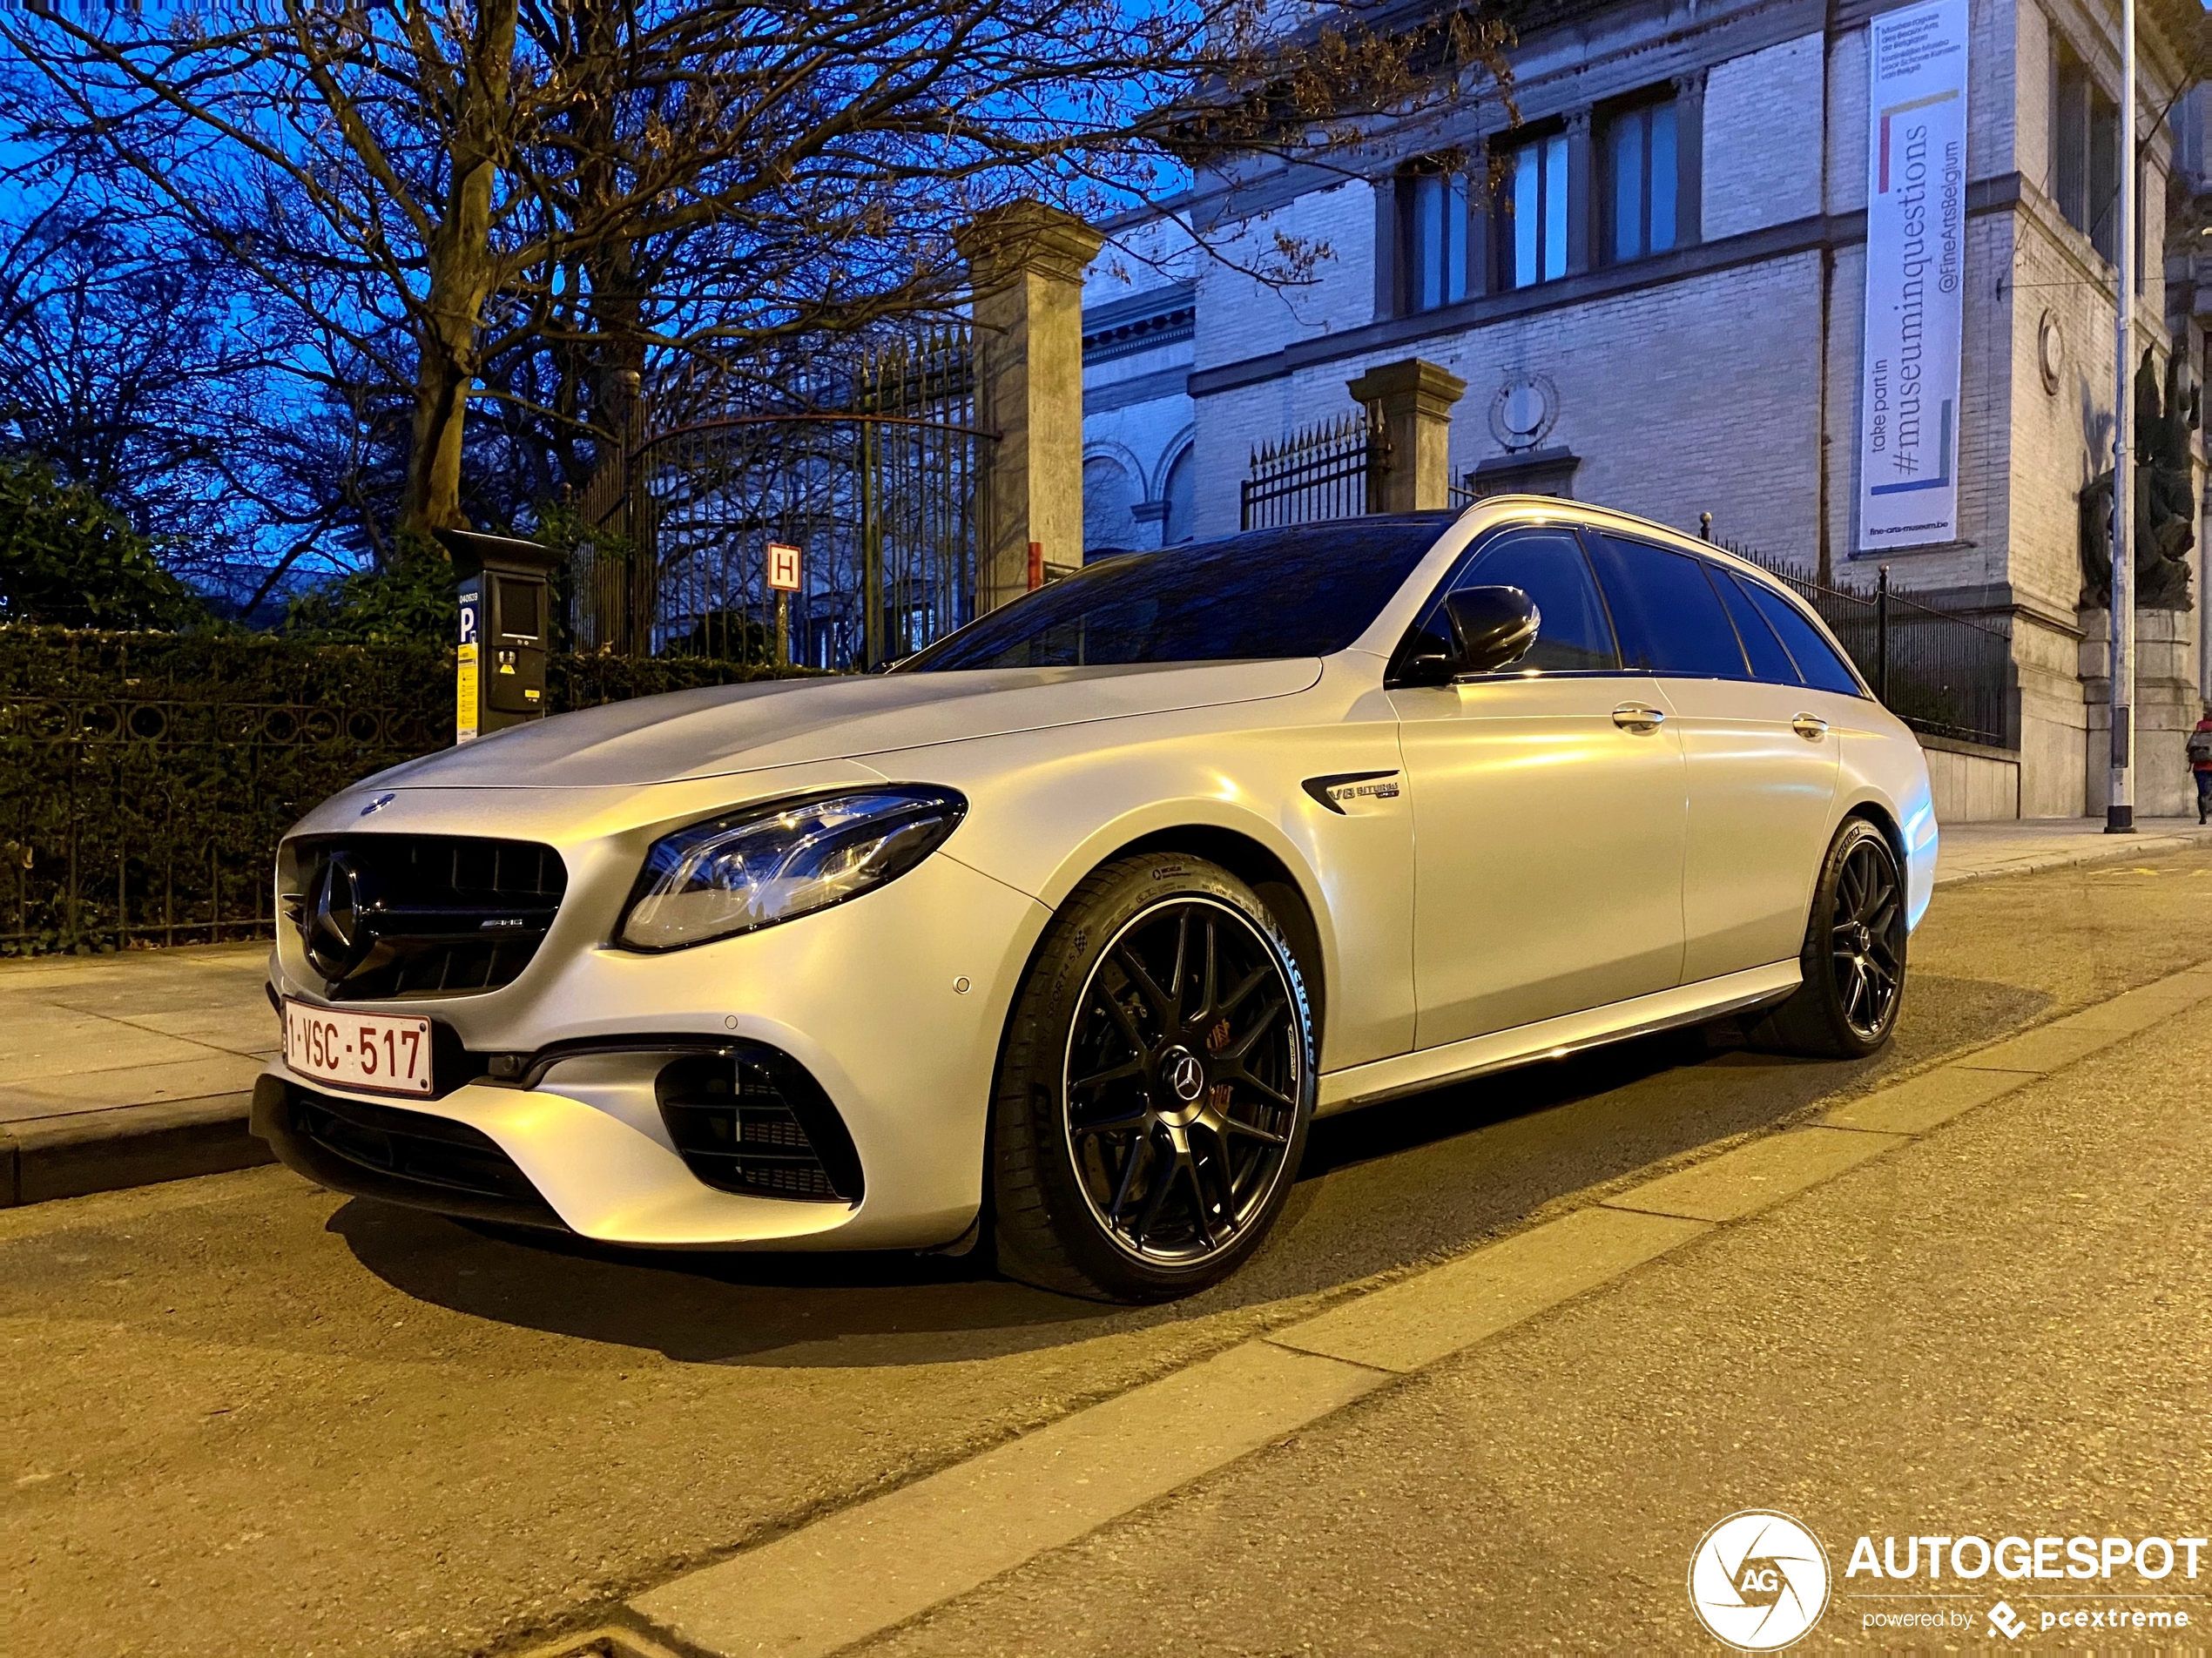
column 1386, row 1079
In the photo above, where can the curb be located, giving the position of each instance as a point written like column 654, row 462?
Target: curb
column 125, row 1145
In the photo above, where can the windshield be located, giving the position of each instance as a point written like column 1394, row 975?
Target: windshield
column 1301, row 591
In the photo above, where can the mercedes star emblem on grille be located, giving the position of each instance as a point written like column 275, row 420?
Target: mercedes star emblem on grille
column 332, row 929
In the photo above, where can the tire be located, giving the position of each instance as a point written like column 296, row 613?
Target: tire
column 1853, row 958
column 1155, row 1087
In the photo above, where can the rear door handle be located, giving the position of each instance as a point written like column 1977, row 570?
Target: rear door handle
column 1812, row 727
column 1635, row 716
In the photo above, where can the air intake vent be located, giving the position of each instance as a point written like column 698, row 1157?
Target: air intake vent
column 388, row 917
column 753, row 1120
column 423, row 1156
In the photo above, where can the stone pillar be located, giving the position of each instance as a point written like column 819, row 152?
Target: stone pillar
column 1482, row 214
column 1689, row 158
column 1581, row 193
column 2166, row 709
column 1414, row 399
column 1388, row 302
column 1027, row 261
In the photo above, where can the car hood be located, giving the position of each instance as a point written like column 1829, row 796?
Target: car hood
column 722, row 729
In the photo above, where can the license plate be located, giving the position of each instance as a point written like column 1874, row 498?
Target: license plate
column 375, row 1052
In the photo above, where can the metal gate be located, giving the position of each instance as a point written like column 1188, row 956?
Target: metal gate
column 874, row 474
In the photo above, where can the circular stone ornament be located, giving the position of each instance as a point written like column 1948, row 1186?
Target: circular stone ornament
column 2050, row 350
column 1524, row 412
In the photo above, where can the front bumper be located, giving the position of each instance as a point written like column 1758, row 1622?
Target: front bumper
column 892, row 1003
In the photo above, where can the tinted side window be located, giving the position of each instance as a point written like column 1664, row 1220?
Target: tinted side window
column 1572, row 635
column 1668, row 617
column 1770, row 661
column 1303, row 590
column 1817, row 659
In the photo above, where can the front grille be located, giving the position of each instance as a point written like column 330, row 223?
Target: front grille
column 753, row 1119
column 385, row 917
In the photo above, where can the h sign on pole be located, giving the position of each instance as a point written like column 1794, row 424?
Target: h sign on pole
column 783, row 567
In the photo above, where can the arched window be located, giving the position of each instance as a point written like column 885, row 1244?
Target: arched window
column 1109, row 525
column 1181, row 493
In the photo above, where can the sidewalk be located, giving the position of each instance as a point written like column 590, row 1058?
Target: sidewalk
column 1978, row 851
column 121, row 1070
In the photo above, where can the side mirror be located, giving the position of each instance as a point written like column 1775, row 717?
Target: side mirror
column 1494, row 625
column 1488, row 628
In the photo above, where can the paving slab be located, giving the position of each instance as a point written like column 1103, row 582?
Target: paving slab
column 2051, row 1048
column 1413, row 1324
column 1755, row 1175
column 1926, row 1102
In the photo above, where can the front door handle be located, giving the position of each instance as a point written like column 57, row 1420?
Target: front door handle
column 1635, row 716
column 1812, row 727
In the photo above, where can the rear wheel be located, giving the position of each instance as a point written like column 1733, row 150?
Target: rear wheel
column 1156, row 1087
column 1854, row 954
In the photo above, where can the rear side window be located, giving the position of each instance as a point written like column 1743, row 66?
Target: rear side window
column 1770, row 661
column 1669, row 618
column 1817, row 659
column 1572, row 634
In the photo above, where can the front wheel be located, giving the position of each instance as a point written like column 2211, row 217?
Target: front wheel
column 1156, row 1085
column 1853, row 958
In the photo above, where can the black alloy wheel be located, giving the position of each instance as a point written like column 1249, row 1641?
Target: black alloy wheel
column 1182, row 1080
column 1853, row 960
column 1155, row 1087
column 1867, row 952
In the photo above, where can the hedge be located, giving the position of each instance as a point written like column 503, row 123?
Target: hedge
column 146, row 778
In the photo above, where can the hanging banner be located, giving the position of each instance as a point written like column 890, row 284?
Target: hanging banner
column 1916, row 249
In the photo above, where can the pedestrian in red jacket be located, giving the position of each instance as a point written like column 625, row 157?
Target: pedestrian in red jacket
column 2201, row 762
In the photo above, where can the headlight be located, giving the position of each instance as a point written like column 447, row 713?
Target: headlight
column 767, row 864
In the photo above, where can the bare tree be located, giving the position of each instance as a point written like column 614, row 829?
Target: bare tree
column 597, row 180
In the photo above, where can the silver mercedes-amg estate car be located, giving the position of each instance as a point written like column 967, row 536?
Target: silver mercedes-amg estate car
column 1059, row 936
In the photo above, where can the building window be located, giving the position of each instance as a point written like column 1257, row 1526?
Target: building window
column 1433, row 205
column 1640, row 184
column 1532, row 212
column 1181, row 492
column 2085, row 151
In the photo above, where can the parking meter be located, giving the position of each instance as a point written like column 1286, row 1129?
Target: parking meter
column 506, row 624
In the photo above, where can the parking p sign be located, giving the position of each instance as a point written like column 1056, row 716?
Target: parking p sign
column 783, row 567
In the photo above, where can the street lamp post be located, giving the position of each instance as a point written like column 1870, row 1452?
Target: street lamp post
column 2120, row 810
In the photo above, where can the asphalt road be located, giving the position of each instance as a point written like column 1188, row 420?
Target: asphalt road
column 1998, row 1330
column 242, row 1415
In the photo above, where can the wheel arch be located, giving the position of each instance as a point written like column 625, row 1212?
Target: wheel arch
column 1878, row 813
column 1255, row 851
column 1258, row 867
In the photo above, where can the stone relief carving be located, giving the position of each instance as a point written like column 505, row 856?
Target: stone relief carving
column 2164, row 504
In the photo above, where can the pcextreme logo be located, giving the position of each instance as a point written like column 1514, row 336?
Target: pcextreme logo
column 1758, row 1580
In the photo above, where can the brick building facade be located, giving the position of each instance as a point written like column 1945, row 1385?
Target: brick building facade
column 1682, row 334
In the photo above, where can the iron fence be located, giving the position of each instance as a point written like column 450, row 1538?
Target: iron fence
column 1329, row 470
column 146, row 778
column 127, row 821
column 1940, row 672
